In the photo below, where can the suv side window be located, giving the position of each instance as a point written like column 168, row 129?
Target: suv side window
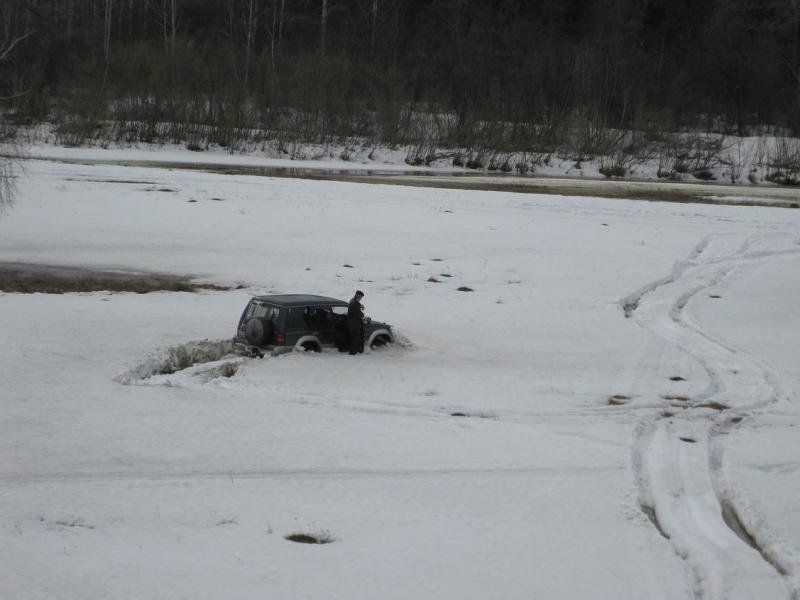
column 296, row 320
column 318, row 317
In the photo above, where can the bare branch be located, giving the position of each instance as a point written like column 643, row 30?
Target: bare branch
column 5, row 49
column 14, row 96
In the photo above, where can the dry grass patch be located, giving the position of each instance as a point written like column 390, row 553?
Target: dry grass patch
column 17, row 278
column 713, row 405
column 47, row 285
column 676, row 398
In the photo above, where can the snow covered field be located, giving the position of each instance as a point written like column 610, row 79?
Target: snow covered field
column 185, row 485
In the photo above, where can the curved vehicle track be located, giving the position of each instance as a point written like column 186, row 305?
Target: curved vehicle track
column 678, row 455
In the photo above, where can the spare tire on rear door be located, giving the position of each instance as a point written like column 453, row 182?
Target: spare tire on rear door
column 258, row 331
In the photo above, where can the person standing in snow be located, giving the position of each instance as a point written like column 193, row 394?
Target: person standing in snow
column 355, row 323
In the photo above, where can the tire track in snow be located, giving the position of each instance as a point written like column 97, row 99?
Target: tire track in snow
column 678, row 456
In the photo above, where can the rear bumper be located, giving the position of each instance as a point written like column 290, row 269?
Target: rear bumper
column 248, row 350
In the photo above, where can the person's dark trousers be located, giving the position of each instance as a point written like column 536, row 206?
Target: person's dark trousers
column 356, row 338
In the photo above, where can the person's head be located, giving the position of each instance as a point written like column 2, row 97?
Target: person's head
column 359, row 294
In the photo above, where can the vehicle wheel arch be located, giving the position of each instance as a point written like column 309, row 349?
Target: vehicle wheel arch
column 379, row 337
column 308, row 343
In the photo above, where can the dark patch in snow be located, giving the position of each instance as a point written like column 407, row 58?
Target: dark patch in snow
column 735, row 524
column 713, row 405
column 618, row 400
column 676, row 398
column 688, row 440
column 133, row 181
column 629, row 306
column 677, row 378
column 308, row 538
column 474, row 415
column 72, row 523
column 650, row 513
column 433, row 280
column 464, row 288
column 715, row 296
column 348, row 266
column 445, row 275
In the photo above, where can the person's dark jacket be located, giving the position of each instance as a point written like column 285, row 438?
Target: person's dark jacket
column 355, row 312
column 355, row 325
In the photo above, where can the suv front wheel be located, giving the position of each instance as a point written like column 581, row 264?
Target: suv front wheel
column 379, row 342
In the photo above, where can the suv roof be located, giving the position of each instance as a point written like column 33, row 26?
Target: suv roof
column 290, row 300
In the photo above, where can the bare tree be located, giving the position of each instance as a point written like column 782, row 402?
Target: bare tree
column 274, row 31
column 7, row 186
column 10, row 152
column 323, row 26
column 166, row 12
column 376, row 16
column 243, row 25
column 794, row 65
column 107, row 30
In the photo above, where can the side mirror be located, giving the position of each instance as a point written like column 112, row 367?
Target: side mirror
column 368, row 320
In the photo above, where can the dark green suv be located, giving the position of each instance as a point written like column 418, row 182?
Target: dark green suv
column 276, row 324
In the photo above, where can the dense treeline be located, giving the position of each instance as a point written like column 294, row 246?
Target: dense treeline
column 513, row 71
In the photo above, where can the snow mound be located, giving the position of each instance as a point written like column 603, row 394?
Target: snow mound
column 176, row 358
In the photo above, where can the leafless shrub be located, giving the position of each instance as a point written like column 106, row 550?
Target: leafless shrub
column 783, row 161
column 705, row 156
column 694, row 153
column 10, row 151
column 7, row 185
column 586, row 138
column 421, row 153
column 478, row 159
column 500, row 161
column 735, row 157
column 624, row 149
